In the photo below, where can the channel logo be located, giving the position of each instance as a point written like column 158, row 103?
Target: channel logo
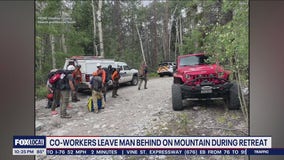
column 29, row 141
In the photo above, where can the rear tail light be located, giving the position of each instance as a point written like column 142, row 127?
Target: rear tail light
column 87, row 77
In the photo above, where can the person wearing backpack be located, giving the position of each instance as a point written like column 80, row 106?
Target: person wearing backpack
column 109, row 71
column 77, row 75
column 96, row 85
column 53, row 92
column 65, row 84
column 115, row 78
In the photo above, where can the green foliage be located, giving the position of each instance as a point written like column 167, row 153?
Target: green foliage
column 192, row 42
column 153, row 75
column 229, row 43
column 41, row 92
column 205, row 26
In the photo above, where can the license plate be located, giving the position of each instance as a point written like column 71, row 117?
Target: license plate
column 206, row 89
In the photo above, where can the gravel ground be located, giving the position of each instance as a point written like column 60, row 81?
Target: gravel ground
column 145, row 112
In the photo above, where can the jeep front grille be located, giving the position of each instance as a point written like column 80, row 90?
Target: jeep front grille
column 197, row 79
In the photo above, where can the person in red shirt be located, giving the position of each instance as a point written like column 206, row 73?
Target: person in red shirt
column 77, row 75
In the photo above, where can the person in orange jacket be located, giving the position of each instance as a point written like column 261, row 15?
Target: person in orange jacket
column 115, row 78
column 100, row 72
column 77, row 76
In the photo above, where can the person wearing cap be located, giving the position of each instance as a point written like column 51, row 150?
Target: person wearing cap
column 143, row 71
column 77, row 75
column 66, row 85
column 100, row 72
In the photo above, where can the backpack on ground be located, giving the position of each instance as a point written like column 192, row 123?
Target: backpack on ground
column 90, row 104
column 96, row 83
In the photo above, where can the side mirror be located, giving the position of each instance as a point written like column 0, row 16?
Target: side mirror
column 174, row 68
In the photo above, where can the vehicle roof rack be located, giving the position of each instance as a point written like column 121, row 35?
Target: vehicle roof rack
column 86, row 57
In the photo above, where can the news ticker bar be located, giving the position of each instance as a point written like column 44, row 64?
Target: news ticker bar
column 69, row 142
column 39, row 151
column 90, row 145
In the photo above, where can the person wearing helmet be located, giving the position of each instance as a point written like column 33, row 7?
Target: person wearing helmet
column 77, row 75
column 65, row 86
column 109, row 71
column 99, row 94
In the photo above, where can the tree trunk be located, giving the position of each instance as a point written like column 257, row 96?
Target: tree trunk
column 52, row 42
column 99, row 13
column 64, row 47
column 95, row 29
column 155, row 51
column 180, row 31
column 63, row 42
column 164, row 45
column 141, row 45
column 170, row 31
column 167, row 31
column 177, row 38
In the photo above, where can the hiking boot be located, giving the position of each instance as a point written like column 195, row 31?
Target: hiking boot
column 66, row 116
column 145, row 87
column 114, row 96
column 74, row 100
column 96, row 111
column 54, row 112
column 139, row 88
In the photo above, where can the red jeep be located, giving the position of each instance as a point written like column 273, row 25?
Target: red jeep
column 195, row 78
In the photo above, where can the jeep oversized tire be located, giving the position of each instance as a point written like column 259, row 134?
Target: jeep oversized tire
column 177, row 97
column 233, row 101
column 134, row 81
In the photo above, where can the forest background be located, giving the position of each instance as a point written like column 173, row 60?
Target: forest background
column 135, row 30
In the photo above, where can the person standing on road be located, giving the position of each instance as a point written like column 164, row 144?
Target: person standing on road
column 100, row 93
column 115, row 78
column 143, row 71
column 54, row 89
column 77, row 75
column 66, row 84
column 109, row 72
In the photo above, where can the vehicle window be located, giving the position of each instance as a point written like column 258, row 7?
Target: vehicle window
column 126, row 67
column 163, row 64
column 193, row 60
column 91, row 67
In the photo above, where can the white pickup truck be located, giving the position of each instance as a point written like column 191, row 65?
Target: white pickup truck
column 127, row 74
column 89, row 65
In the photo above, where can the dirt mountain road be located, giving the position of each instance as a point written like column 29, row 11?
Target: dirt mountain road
column 145, row 112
